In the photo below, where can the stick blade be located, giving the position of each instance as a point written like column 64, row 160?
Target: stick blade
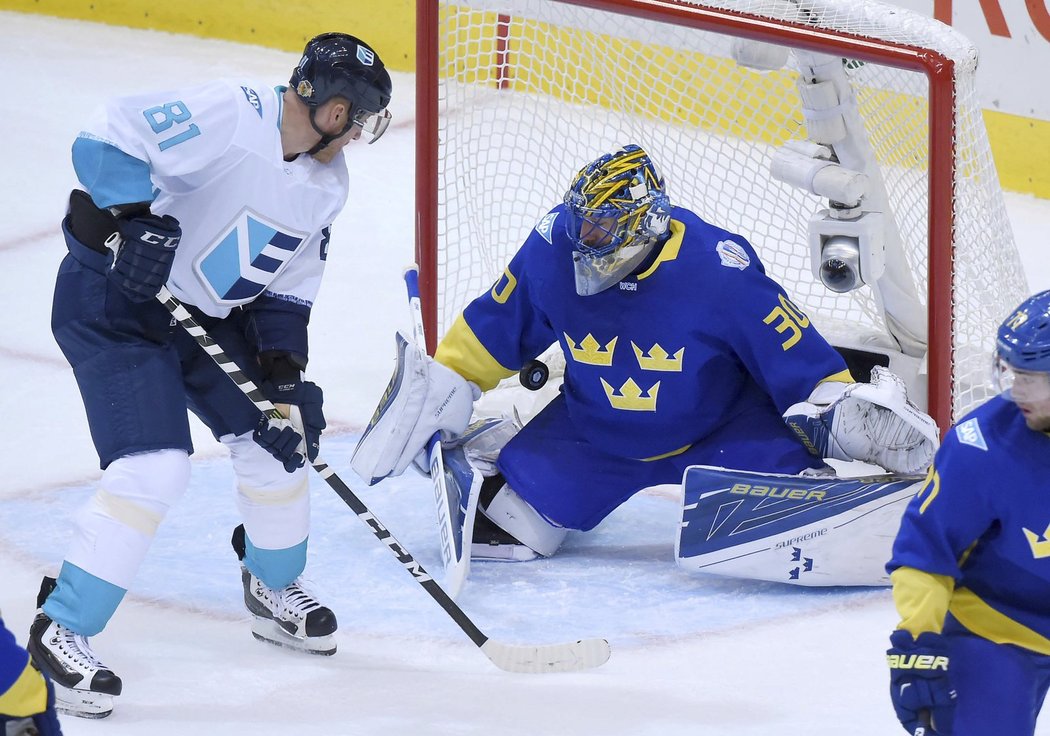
column 584, row 654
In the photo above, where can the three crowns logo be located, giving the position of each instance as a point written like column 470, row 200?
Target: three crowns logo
column 629, row 396
column 590, row 352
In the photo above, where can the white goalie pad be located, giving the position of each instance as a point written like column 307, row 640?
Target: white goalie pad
column 422, row 398
column 801, row 530
column 871, row 422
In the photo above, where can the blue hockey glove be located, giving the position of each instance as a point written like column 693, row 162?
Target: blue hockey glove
column 920, row 687
column 278, row 438
column 147, row 250
column 301, row 402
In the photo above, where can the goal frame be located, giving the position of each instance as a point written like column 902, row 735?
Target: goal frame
column 938, row 68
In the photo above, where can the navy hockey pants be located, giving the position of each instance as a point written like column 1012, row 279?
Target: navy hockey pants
column 138, row 371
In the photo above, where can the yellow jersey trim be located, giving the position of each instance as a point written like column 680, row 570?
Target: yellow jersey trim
column 672, row 453
column 843, row 376
column 985, row 621
column 27, row 695
column 462, row 351
column 670, row 250
column 921, row 598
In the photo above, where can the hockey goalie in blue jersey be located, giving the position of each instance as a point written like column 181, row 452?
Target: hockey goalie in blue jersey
column 223, row 194
column 679, row 350
column 971, row 562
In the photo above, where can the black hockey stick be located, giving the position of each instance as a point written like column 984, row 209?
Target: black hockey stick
column 578, row 655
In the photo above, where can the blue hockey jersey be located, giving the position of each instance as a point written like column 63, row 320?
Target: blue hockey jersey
column 659, row 360
column 976, row 539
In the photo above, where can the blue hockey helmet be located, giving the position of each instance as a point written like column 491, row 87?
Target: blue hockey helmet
column 1022, row 350
column 617, row 209
column 341, row 65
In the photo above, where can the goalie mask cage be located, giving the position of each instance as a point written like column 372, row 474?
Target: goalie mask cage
column 514, row 96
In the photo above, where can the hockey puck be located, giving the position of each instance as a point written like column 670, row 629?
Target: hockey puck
column 534, row 375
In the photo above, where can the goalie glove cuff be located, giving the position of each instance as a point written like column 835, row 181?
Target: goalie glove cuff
column 812, row 425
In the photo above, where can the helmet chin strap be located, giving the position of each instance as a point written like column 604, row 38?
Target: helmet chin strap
column 326, row 138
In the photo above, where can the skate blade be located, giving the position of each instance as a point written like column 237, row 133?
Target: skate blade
column 501, row 553
column 270, row 632
column 82, row 703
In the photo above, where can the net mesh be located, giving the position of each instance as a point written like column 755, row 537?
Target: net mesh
column 530, row 90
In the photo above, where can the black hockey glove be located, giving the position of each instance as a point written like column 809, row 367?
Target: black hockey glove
column 143, row 243
column 278, row 438
column 147, row 250
column 920, row 687
column 301, row 401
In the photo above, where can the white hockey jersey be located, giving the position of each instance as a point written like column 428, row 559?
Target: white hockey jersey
column 252, row 223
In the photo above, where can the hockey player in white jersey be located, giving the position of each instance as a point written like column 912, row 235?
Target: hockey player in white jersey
column 226, row 194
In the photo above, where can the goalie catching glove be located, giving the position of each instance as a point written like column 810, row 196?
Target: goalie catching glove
column 871, row 422
column 423, row 397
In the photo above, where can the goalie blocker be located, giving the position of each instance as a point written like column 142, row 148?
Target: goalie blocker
column 801, row 530
column 422, row 398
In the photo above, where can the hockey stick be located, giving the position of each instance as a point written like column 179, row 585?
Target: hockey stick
column 456, row 486
column 569, row 657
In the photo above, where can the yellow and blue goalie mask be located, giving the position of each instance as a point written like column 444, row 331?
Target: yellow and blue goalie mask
column 617, row 211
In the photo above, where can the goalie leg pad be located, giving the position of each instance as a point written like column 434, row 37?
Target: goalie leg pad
column 796, row 529
column 422, row 398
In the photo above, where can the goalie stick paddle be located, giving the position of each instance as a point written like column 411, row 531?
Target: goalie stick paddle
column 456, row 486
column 568, row 657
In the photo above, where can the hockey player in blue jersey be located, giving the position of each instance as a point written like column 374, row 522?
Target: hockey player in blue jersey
column 971, row 562
column 679, row 350
column 27, row 697
column 225, row 193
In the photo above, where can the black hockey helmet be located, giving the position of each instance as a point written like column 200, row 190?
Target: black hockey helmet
column 338, row 64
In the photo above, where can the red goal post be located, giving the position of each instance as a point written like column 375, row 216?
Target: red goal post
column 513, row 96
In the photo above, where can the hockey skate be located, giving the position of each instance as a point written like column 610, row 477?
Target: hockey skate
column 290, row 617
column 84, row 686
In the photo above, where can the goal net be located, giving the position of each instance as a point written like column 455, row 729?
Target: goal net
column 514, row 96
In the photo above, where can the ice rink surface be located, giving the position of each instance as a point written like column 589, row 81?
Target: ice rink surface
column 691, row 654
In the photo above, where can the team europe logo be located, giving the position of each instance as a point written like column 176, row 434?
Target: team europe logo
column 246, row 258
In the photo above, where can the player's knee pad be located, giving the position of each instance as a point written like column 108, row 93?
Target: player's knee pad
column 514, row 515
column 115, row 527
column 274, row 504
